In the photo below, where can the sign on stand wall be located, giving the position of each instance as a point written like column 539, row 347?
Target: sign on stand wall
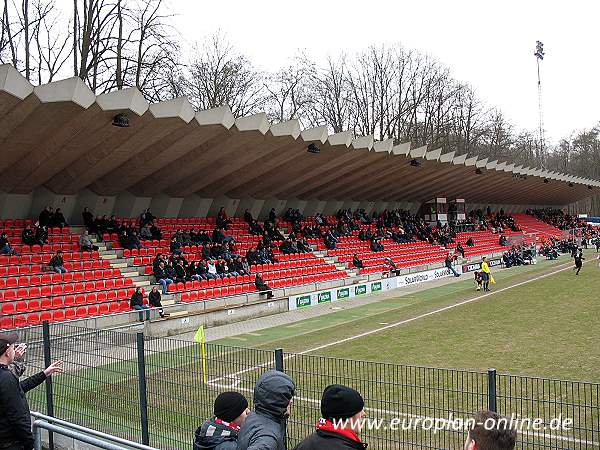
column 370, row 287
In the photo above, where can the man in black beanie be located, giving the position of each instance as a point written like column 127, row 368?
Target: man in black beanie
column 221, row 432
column 342, row 410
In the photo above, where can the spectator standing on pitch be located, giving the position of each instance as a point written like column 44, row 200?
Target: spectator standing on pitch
column 15, row 420
column 221, row 432
column 265, row 428
column 342, row 410
column 491, row 432
column 485, row 274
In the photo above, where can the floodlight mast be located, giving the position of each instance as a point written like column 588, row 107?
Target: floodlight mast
column 539, row 55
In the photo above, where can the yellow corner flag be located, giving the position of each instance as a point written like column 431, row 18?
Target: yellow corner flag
column 200, row 338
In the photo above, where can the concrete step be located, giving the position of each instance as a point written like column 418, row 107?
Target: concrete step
column 118, row 265
column 142, row 283
column 109, row 256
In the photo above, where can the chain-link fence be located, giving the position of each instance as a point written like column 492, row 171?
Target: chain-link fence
column 159, row 391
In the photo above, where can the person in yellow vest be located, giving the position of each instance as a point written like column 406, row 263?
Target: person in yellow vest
column 486, row 275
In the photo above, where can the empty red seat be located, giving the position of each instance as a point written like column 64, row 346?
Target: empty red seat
column 20, row 320
column 92, row 310
column 33, row 319
column 8, row 309
column 6, row 322
column 81, row 312
column 70, row 313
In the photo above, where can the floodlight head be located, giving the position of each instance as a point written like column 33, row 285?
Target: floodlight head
column 312, row 148
column 121, row 120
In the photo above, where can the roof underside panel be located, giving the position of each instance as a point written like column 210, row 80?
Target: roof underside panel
column 60, row 136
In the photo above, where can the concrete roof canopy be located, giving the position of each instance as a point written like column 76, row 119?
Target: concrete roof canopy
column 60, row 136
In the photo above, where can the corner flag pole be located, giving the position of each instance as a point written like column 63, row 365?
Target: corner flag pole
column 199, row 337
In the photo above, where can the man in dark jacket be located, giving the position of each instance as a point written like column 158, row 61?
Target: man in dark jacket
column 221, row 432
column 342, row 409
column 15, row 420
column 264, row 429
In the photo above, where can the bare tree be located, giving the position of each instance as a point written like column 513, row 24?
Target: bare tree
column 219, row 75
column 288, row 90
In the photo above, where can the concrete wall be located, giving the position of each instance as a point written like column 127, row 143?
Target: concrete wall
column 129, row 205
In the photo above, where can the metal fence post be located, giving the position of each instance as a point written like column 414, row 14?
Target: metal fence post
column 279, row 360
column 492, row 390
column 141, row 357
column 48, row 383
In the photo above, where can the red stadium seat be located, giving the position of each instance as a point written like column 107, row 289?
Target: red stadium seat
column 58, row 315
column 6, row 322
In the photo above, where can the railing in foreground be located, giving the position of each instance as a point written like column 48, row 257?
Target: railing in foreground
column 156, row 391
column 80, row 434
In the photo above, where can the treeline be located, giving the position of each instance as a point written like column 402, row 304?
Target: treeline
column 390, row 92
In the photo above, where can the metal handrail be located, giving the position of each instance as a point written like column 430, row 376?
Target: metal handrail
column 80, row 433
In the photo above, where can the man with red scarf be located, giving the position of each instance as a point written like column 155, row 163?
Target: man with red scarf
column 343, row 412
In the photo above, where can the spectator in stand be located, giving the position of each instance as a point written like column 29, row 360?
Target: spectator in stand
column 262, row 286
column 180, row 272
column 448, row 263
column 91, row 224
column 162, row 277
column 223, row 220
column 503, row 241
column 376, row 245
column 156, row 261
column 460, row 249
column 146, row 233
column 46, row 217
column 220, row 433
column 256, row 229
column 303, row 245
column 57, row 263
column 470, row 242
column 391, row 267
column 175, row 246
column 41, row 234
column 248, row 217
column 342, row 414
column 15, row 420
column 202, row 270
column 134, row 241
column 137, row 303
column 490, row 431
column 88, row 217
column 146, row 217
column 156, row 233
column 330, row 240
column 59, row 219
column 154, row 298
column 356, row 262
column 265, row 429
column 27, row 236
column 112, row 225
column 5, row 247
column 272, row 215
column 85, row 243
column 212, row 269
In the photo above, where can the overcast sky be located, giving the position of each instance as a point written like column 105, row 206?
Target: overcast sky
column 487, row 44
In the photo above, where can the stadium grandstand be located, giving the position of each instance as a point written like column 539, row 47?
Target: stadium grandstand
column 108, row 200
column 119, row 156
